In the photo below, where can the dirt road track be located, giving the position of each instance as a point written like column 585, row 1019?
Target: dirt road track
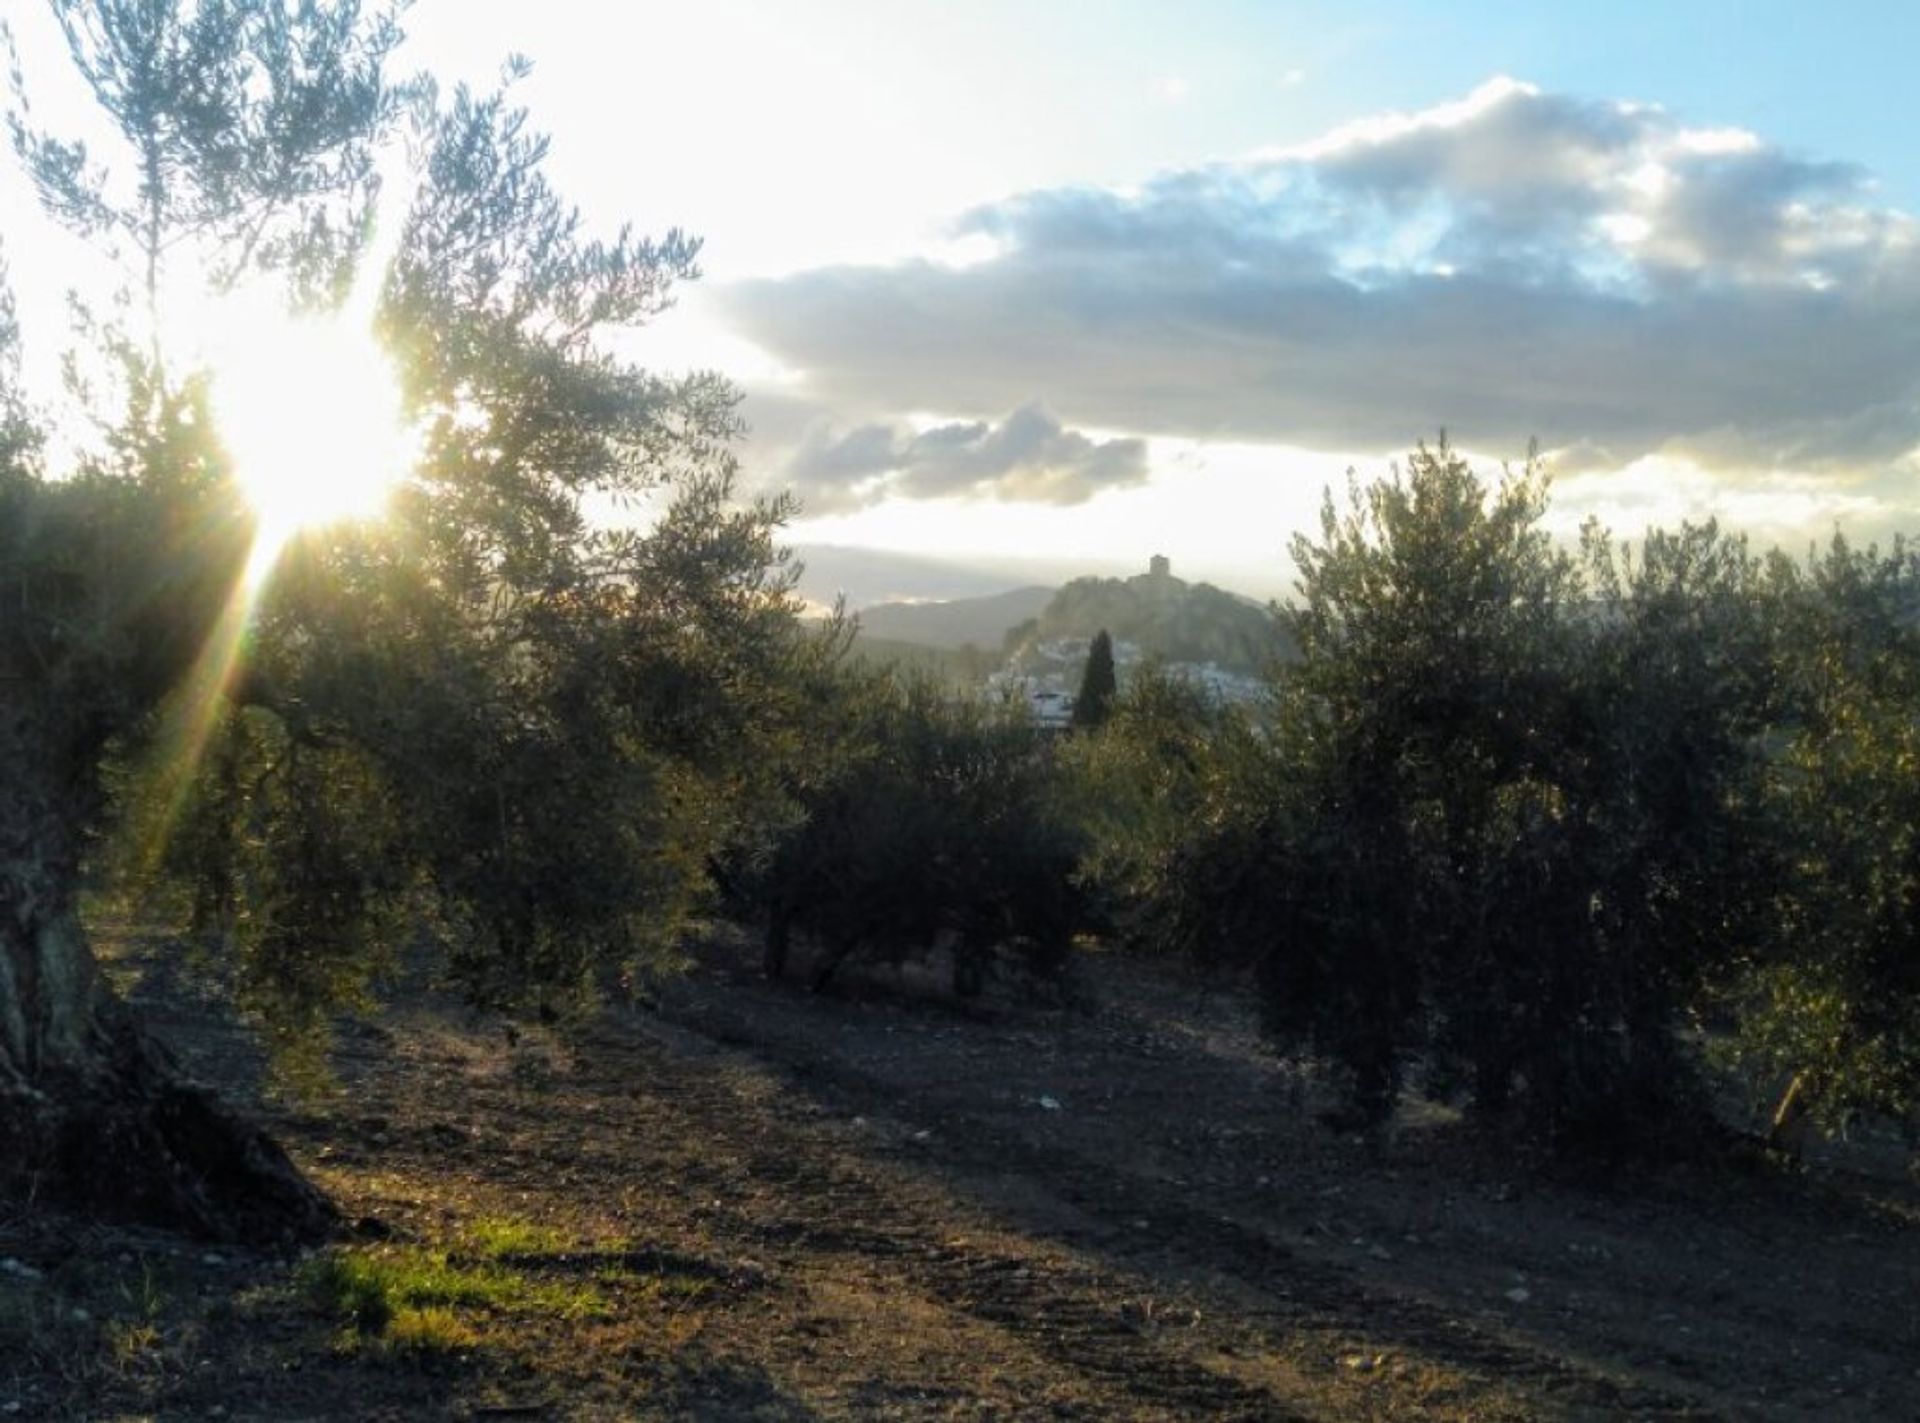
column 892, row 1208
column 1178, row 1161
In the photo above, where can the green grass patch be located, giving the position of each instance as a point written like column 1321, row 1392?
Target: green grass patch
column 677, row 1289
column 494, row 1236
column 411, row 1296
column 429, row 1331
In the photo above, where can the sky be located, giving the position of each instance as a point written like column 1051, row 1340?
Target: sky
column 1073, row 283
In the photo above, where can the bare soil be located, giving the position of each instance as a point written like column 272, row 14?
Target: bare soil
column 881, row 1204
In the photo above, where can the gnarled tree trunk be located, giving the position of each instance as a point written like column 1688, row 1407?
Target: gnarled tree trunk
column 93, row 1113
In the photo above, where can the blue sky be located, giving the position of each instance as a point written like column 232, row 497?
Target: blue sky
column 1015, row 93
column 1074, row 282
column 1821, row 78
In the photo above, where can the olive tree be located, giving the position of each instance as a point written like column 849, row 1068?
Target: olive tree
column 934, row 819
column 1830, row 1006
column 251, row 128
column 1506, row 814
column 487, row 723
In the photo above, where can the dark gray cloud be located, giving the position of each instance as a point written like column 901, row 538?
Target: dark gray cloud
column 1028, row 456
column 1519, row 265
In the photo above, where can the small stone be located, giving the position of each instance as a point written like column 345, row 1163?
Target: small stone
column 212, row 1259
column 1519, row 1295
column 79, row 1315
column 1050, row 1104
column 923, row 1135
column 1380, row 1252
column 12, row 1405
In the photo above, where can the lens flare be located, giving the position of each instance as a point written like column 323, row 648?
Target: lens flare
column 309, row 409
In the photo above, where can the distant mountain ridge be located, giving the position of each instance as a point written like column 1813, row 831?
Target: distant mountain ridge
column 959, row 622
column 866, row 577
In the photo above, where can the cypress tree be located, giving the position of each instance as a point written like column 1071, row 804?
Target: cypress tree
column 1097, row 686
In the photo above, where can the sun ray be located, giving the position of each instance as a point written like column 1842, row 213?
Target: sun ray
column 187, row 723
column 309, row 405
column 309, row 410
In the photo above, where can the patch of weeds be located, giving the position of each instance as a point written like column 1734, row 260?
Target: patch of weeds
column 131, row 1342
column 429, row 1331
column 677, row 1290
column 351, row 1288
column 380, row 1294
column 566, row 1301
column 495, row 1236
column 145, row 1298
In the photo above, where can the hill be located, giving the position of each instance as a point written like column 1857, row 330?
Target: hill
column 1161, row 617
column 981, row 622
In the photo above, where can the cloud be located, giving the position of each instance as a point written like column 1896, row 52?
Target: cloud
column 1029, row 457
column 1514, row 265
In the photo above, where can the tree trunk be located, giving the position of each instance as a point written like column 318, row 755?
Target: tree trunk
column 93, row 1113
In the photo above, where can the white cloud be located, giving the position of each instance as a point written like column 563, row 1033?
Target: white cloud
column 1515, row 264
column 1379, row 129
column 1774, row 506
column 1027, row 457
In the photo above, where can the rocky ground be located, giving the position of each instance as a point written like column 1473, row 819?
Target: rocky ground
column 745, row 1201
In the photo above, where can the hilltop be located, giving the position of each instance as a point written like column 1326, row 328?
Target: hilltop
column 1160, row 617
column 1037, row 636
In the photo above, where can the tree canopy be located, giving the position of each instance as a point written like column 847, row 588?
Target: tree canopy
column 487, row 722
column 1529, row 826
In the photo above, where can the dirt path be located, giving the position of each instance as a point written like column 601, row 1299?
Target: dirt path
column 1182, row 1155
column 785, row 1206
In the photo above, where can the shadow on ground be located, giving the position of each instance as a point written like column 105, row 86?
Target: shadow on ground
column 753, row 1202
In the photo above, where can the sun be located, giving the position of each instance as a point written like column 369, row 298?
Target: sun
column 309, row 409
